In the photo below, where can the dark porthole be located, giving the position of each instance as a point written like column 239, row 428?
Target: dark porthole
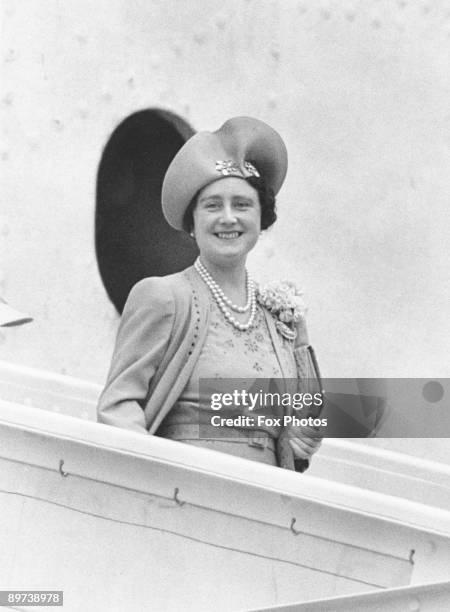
column 132, row 238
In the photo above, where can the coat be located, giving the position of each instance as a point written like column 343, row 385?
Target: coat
column 160, row 337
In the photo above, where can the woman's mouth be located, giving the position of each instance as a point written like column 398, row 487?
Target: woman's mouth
column 228, row 235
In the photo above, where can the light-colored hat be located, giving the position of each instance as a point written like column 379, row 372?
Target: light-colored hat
column 9, row 316
column 242, row 147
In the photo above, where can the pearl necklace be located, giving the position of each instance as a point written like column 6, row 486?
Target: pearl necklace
column 214, row 286
column 224, row 303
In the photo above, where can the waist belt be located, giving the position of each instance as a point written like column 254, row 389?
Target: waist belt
column 191, row 431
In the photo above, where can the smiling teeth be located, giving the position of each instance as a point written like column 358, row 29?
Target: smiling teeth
column 229, row 235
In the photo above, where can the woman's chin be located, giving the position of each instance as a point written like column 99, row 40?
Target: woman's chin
column 224, row 256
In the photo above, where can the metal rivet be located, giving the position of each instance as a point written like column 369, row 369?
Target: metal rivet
column 221, row 22
column 200, row 37
column 10, row 55
column 272, row 101
column 58, row 125
column 431, row 547
column 83, row 110
column 106, row 96
column 7, row 99
column 414, row 605
column 275, row 53
column 81, row 35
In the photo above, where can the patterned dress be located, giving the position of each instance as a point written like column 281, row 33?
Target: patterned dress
column 229, row 353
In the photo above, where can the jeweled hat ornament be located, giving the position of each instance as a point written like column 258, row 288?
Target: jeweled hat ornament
column 242, row 147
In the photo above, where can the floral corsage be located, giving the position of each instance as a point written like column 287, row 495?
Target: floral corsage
column 284, row 301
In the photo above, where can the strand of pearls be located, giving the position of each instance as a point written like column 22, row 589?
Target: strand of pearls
column 216, row 288
column 225, row 303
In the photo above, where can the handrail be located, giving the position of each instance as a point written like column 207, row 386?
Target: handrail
column 116, row 440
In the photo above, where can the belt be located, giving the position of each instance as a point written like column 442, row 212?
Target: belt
column 191, row 431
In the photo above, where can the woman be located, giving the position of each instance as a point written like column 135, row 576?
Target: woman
column 209, row 321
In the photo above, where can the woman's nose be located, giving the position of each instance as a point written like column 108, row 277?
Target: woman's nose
column 228, row 214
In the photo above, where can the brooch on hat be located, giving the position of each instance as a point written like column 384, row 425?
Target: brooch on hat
column 228, row 167
column 251, row 169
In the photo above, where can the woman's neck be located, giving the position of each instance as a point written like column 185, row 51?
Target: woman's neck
column 232, row 279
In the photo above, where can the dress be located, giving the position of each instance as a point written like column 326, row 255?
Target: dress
column 161, row 336
column 249, row 360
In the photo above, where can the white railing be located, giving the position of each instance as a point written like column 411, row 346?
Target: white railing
column 377, row 469
column 125, row 521
column 424, row 598
column 48, row 390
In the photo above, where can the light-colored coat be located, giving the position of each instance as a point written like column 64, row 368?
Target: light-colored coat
column 160, row 337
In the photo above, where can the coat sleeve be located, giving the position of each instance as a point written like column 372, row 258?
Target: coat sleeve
column 142, row 339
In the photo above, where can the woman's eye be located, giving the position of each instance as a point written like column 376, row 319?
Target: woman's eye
column 242, row 204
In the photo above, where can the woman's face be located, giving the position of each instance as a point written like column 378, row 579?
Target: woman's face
column 227, row 221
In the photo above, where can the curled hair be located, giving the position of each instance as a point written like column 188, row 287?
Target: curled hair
column 267, row 203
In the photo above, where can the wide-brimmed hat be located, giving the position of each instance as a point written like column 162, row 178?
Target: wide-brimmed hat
column 10, row 316
column 242, row 147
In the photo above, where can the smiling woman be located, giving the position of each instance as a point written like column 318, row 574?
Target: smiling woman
column 211, row 321
column 227, row 222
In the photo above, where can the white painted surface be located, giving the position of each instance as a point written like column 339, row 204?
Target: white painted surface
column 385, row 471
column 351, row 462
column 359, row 90
column 112, row 535
column 426, row 598
column 45, row 390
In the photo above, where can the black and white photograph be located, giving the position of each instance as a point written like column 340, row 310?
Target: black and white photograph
column 224, row 305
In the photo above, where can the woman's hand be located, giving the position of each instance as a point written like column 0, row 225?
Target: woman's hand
column 304, row 441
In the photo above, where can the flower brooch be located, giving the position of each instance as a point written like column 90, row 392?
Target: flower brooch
column 283, row 300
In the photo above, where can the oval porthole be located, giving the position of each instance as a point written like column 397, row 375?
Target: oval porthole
column 132, row 238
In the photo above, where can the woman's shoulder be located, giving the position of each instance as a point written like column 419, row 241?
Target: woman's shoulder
column 161, row 289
